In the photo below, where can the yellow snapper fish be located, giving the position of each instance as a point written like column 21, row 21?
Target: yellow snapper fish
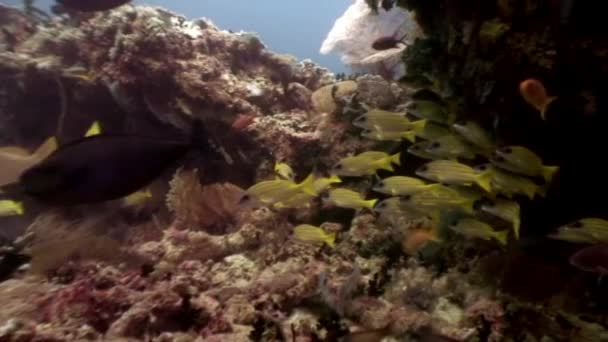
column 451, row 147
column 366, row 164
column 506, row 210
column 400, row 205
column 587, row 230
column 420, row 150
column 475, row 134
column 453, row 172
column 429, row 110
column 345, row 198
column 137, row 198
column 381, row 120
column 521, row 160
column 389, row 136
column 15, row 160
column 284, row 170
column 401, row 185
column 433, row 131
column 440, row 197
column 11, row 208
column 314, row 234
column 509, row 184
column 475, row 228
column 273, row 191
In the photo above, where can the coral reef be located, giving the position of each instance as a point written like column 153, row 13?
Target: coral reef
column 206, row 268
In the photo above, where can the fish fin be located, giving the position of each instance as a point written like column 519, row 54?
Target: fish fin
column 516, row 226
column 308, row 185
column 330, row 239
column 95, row 129
column 15, row 150
column 396, row 159
column 409, row 136
column 418, row 126
column 549, row 172
column 335, row 179
column 14, row 207
column 484, row 179
column 543, row 110
column 371, row 203
column 501, row 236
column 45, row 150
column 385, row 164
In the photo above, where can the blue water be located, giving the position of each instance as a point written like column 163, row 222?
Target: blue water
column 287, row 26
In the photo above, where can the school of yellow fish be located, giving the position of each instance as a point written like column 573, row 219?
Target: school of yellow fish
column 447, row 182
column 485, row 194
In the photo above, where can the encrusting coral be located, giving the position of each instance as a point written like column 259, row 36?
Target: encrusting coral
column 208, row 268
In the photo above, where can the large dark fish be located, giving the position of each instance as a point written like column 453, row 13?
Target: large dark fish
column 104, row 167
column 91, row 5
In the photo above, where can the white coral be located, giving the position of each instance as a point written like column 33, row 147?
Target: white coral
column 353, row 34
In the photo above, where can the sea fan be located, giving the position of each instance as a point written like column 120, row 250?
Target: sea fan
column 210, row 207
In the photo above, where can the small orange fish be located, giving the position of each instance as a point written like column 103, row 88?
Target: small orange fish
column 416, row 239
column 535, row 94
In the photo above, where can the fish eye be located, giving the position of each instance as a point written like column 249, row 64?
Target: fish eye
column 382, row 205
column 576, row 224
column 245, row 198
column 435, row 145
column 454, row 223
column 339, row 167
column 381, row 184
column 499, row 159
column 506, row 150
column 423, row 168
column 405, row 198
column 481, row 167
column 460, row 122
column 411, row 105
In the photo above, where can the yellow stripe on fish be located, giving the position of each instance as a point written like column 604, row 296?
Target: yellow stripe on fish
column 453, row 172
column 509, row 184
column 366, row 164
column 277, row 190
column 521, row 160
column 401, row 185
column 310, row 233
column 381, row 120
column 478, row 229
column 350, row 199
